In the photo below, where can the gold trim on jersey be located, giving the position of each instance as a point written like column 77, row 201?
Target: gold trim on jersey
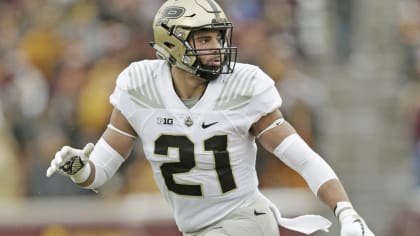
column 237, row 91
column 143, row 87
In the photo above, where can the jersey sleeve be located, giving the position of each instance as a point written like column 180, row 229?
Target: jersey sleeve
column 265, row 99
column 120, row 97
column 122, row 81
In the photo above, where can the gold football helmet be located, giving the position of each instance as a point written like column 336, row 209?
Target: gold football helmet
column 176, row 22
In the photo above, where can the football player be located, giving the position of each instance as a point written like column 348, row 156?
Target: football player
column 198, row 114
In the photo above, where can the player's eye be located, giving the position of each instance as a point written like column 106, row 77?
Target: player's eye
column 203, row 40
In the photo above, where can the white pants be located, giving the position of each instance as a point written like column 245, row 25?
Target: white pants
column 255, row 220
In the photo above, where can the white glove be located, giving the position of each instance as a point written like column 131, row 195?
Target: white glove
column 351, row 223
column 70, row 161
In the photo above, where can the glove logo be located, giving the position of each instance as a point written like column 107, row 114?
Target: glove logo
column 73, row 165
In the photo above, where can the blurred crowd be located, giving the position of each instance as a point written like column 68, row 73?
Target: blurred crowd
column 58, row 63
column 409, row 25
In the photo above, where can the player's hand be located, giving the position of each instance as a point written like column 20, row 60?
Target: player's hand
column 69, row 161
column 351, row 223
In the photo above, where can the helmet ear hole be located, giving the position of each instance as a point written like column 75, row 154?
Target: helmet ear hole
column 169, row 45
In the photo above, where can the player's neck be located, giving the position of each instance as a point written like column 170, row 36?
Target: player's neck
column 187, row 85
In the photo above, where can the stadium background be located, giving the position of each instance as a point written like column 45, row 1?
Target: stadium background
column 348, row 71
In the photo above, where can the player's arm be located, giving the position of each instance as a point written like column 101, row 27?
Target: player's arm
column 279, row 137
column 96, row 164
column 272, row 139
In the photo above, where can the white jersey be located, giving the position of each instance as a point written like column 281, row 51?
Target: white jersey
column 203, row 157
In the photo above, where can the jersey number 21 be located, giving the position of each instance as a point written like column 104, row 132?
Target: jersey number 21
column 217, row 144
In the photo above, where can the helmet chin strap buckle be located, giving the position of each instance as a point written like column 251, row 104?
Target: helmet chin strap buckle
column 186, row 59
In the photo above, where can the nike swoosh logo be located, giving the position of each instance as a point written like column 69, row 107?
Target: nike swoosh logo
column 258, row 213
column 205, row 126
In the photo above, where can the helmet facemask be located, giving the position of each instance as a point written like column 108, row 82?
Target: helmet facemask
column 176, row 23
column 225, row 54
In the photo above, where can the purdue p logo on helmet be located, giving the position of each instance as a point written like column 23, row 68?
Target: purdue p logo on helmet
column 177, row 20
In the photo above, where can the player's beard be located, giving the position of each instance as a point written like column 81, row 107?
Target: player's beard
column 213, row 64
column 211, row 68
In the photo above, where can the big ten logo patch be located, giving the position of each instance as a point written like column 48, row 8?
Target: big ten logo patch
column 165, row 121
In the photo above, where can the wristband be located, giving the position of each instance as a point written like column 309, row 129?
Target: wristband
column 346, row 208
